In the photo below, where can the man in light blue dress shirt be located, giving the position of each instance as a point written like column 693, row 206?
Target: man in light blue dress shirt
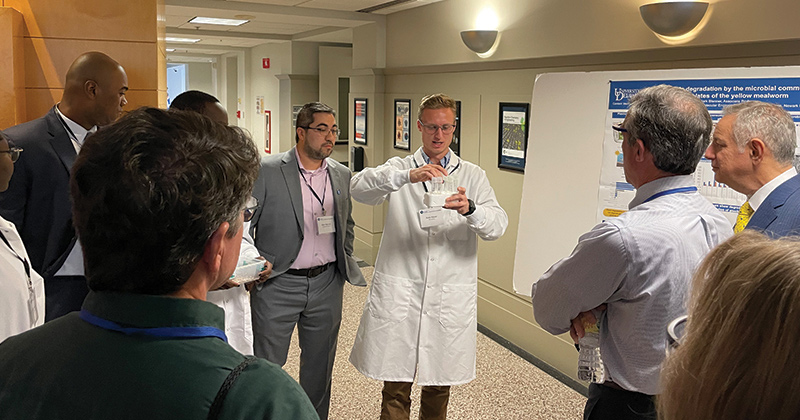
column 635, row 270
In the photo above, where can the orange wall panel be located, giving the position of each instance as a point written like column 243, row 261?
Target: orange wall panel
column 134, row 20
column 12, row 67
column 47, row 60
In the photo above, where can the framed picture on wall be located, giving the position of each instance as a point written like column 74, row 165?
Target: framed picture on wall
column 360, row 120
column 512, row 138
column 268, row 131
column 455, row 146
column 402, row 124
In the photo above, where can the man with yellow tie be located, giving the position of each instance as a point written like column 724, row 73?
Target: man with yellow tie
column 752, row 152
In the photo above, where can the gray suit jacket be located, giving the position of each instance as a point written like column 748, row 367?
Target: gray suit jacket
column 277, row 226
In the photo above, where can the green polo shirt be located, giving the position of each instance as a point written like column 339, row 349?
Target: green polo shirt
column 71, row 369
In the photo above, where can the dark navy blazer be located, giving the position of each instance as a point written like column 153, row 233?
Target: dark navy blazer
column 37, row 200
column 779, row 214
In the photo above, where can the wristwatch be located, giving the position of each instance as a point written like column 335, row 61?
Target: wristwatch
column 471, row 208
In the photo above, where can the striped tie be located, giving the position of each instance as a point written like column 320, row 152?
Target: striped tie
column 745, row 211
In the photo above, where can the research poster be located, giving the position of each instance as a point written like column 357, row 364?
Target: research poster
column 615, row 193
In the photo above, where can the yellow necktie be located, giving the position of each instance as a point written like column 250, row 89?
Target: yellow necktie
column 745, row 211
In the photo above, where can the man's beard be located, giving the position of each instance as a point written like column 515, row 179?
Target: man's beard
column 316, row 154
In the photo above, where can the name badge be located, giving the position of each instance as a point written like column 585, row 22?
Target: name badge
column 325, row 225
column 431, row 217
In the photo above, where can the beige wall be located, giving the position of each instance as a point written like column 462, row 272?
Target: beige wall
column 53, row 37
column 424, row 54
column 334, row 62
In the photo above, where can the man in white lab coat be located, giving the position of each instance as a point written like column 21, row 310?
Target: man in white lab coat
column 420, row 316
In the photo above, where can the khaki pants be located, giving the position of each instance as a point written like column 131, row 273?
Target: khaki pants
column 396, row 403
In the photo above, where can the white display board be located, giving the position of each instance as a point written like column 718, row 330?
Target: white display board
column 571, row 150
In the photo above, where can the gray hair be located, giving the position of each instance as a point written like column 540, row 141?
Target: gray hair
column 306, row 115
column 673, row 124
column 768, row 122
column 149, row 190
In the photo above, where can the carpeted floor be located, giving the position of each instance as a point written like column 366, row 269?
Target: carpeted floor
column 507, row 386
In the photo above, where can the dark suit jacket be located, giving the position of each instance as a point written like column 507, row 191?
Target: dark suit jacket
column 277, row 226
column 779, row 214
column 37, row 199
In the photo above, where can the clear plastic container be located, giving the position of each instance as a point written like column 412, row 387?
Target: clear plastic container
column 247, row 271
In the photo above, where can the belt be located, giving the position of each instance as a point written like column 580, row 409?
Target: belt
column 612, row 385
column 309, row 272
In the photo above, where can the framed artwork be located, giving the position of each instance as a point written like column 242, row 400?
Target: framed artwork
column 402, row 124
column 295, row 110
column 512, row 138
column 455, row 146
column 268, row 131
column 360, row 120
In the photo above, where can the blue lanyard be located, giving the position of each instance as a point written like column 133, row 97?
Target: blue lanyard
column 163, row 332
column 668, row 192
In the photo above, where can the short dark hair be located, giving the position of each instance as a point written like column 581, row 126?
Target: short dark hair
column 306, row 115
column 673, row 124
column 149, row 190
column 192, row 100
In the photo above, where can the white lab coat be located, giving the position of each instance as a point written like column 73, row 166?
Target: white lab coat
column 17, row 309
column 236, row 303
column 420, row 316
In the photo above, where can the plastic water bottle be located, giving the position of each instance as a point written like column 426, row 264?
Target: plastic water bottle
column 590, row 364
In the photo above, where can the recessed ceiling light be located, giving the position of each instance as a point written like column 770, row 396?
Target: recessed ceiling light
column 170, row 49
column 216, row 21
column 182, row 40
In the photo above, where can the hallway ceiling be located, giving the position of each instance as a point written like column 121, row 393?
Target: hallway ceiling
column 272, row 21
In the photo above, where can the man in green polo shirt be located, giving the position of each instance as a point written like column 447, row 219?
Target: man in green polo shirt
column 159, row 199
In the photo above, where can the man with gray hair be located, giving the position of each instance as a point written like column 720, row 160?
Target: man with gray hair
column 159, row 201
column 752, row 152
column 631, row 273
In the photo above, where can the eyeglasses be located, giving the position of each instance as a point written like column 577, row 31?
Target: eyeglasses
column 13, row 152
column 619, row 127
column 250, row 207
column 324, row 130
column 433, row 128
column 675, row 332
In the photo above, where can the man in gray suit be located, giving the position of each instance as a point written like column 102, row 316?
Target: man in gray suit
column 304, row 227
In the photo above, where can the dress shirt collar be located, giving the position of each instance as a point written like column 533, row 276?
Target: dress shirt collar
column 661, row 184
column 323, row 166
column 445, row 160
column 78, row 131
column 148, row 311
column 759, row 196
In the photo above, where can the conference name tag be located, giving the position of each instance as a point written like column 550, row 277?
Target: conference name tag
column 431, row 217
column 325, row 225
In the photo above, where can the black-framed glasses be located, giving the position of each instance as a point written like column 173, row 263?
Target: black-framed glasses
column 13, row 152
column 675, row 331
column 324, row 130
column 433, row 128
column 619, row 127
column 250, row 207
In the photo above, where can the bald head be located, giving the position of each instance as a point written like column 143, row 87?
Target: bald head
column 94, row 90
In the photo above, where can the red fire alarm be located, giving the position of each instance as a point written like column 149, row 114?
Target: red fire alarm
column 238, row 114
column 265, row 63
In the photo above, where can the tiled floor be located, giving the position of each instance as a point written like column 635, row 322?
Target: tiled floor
column 507, row 386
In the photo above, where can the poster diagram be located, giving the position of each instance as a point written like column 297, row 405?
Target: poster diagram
column 402, row 124
column 513, row 135
column 615, row 193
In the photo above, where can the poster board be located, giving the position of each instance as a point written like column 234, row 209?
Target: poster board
column 568, row 128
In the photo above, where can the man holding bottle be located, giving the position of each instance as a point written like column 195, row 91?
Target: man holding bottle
column 632, row 273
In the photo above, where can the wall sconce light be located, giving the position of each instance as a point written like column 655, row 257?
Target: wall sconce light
column 673, row 18
column 481, row 42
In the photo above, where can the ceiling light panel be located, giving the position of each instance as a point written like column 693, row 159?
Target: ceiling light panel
column 199, row 20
